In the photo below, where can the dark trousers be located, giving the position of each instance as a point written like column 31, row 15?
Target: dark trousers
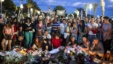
column 1, row 37
column 107, row 45
column 63, row 40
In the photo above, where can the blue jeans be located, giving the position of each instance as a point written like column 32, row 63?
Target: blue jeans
column 91, row 38
column 80, row 38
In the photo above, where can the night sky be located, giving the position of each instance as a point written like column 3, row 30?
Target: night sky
column 71, row 5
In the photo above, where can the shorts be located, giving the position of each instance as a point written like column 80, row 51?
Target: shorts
column 8, row 37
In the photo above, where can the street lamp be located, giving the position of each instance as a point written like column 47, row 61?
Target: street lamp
column 77, row 12
column 21, row 6
column 38, row 12
column 1, row 5
column 31, row 11
column 90, row 7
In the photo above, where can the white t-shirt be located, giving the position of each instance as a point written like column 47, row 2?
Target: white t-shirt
column 91, row 26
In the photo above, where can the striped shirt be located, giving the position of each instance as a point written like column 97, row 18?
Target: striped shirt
column 55, row 26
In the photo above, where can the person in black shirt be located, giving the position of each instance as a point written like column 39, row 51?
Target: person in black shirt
column 1, row 29
column 20, row 36
column 28, row 32
column 45, row 45
column 73, row 41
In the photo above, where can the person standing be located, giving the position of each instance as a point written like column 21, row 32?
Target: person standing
column 106, row 30
column 8, row 35
column 28, row 32
column 62, row 30
column 74, row 31
column 1, row 29
column 92, row 30
column 67, row 32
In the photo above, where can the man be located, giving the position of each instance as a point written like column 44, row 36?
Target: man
column 55, row 27
column 92, row 30
column 107, row 30
column 97, row 48
column 1, row 29
column 63, row 26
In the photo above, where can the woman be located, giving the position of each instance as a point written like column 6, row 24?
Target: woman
column 20, row 36
column 67, row 32
column 85, row 46
column 37, row 44
column 72, row 41
column 8, row 35
column 81, row 29
column 49, row 27
column 40, row 26
column 46, row 35
column 74, row 31
column 45, row 46
column 15, row 27
column 28, row 32
column 39, row 35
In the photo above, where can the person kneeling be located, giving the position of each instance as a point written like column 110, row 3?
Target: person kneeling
column 97, row 49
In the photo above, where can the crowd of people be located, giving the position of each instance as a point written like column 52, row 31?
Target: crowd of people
column 94, row 35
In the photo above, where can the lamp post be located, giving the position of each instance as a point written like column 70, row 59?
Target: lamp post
column 90, row 8
column 38, row 12
column 21, row 7
column 1, row 7
column 31, row 11
column 77, row 12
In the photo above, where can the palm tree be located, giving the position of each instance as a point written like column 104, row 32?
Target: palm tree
column 86, row 8
column 95, row 5
column 29, row 5
column 103, row 6
column 80, row 10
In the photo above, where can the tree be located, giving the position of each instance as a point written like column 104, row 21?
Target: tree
column 59, row 8
column 86, row 8
column 95, row 5
column 9, row 5
column 31, row 4
column 81, row 11
column 35, row 6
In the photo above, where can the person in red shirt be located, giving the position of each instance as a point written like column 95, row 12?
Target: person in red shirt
column 56, row 42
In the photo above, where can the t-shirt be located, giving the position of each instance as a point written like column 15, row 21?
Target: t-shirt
column 98, row 47
column 56, row 42
column 91, row 26
column 106, row 28
column 44, row 45
column 55, row 26
column 62, row 28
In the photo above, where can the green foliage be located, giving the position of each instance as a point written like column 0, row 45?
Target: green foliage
column 9, row 5
column 32, row 4
column 59, row 8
